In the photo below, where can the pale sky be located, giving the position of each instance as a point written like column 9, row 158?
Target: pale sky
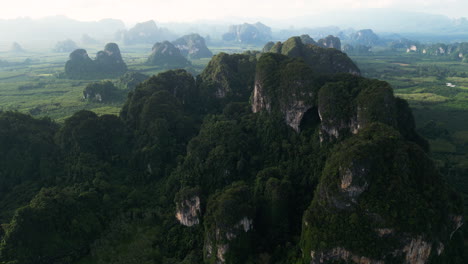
column 131, row 11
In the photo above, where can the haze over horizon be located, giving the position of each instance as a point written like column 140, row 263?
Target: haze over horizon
column 186, row 11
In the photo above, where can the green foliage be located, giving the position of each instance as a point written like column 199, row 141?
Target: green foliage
column 167, row 55
column 226, row 78
column 193, row 46
column 108, row 63
column 101, row 91
column 399, row 184
column 130, row 80
column 56, row 227
column 268, row 194
column 27, row 150
column 321, row 60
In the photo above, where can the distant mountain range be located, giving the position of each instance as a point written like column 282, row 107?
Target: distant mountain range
column 386, row 22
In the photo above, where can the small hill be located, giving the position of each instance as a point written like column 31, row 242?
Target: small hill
column 108, row 63
column 165, row 54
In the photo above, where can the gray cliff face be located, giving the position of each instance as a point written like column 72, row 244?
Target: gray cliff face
column 293, row 110
column 188, row 211
column 330, row 42
column 340, row 254
column 193, row 46
column 415, row 251
column 219, row 247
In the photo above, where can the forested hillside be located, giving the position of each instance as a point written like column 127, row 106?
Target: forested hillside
column 288, row 156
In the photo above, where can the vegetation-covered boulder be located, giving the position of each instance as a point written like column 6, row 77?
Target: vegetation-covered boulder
column 248, row 33
column 67, row 45
column 130, row 80
column 165, row 54
column 108, row 63
column 101, row 92
column 193, row 46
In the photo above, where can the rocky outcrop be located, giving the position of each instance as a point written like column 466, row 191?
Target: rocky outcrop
column 193, row 46
column 228, row 224
column 417, row 251
column 306, row 39
column 248, row 33
column 345, row 197
column 321, row 57
column 100, row 92
column 165, row 54
column 108, row 63
column 228, row 76
column 330, row 42
column 221, row 244
column 365, row 37
column 188, row 211
column 341, row 254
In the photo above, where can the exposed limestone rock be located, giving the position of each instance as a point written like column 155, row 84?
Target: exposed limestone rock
column 384, row 231
column 417, row 251
column 330, row 42
column 188, row 211
column 365, row 37
column 457, row 221
column 340, row 254
column 193, row 46
column 295, row 113
column 357, row 174
column 248, row 33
